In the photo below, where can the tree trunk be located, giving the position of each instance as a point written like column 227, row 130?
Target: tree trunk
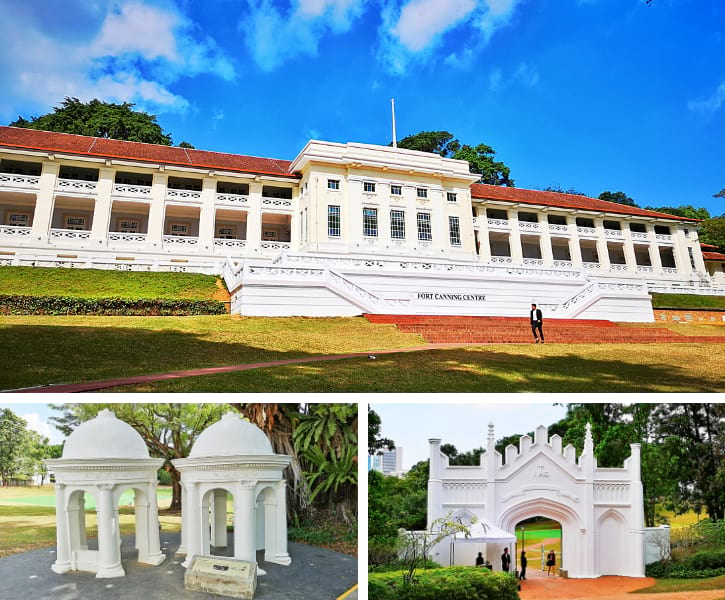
column 175, row 487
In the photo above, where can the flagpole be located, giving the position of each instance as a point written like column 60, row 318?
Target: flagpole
column 392, row 106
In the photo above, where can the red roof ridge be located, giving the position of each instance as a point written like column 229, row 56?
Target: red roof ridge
column 563, row 200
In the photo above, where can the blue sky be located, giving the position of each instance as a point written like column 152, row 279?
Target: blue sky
column 584, row 94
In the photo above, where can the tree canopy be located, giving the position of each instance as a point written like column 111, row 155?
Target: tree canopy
column 618, row 197
column 22, row 450
column 685, row 210
column 100, row 119
column 712, row 232
column 480, row 157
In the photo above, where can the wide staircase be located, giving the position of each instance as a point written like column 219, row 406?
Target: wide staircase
column 517, row 330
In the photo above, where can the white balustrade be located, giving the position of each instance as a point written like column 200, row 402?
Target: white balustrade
column 499, row 223
column 232, row 199
column 277, row 202
column 19, row 181
column 134, row 191
column 180, row 240
column 126, row 238
column 563, row 264
column 639, row 235
column 529, row 226
column 77, row 186
column 502, row 260
column 669, row 270
column 69, row 234
column 14, row 230
column 268, row 245
column 616, row 267
column 592, row 266
column 645, row 269
column 532, row 262
column 475, row 221
column 226, row 243
column 663, row 237
column 613, row 233
column 183, row 194
column 558, row 228
column 587, row 231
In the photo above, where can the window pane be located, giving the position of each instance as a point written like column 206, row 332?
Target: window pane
column 333, row 221
column 454, row 228
column 396, row 190
column 370, row 222
column 451, row 197
column 397, row 224
column 369, row 186
column 333, row 184
column 424, row 231
column 421, row 192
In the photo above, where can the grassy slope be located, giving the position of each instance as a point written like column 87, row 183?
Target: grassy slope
column 684, row 585
column 93, row 283
column 497, row 368
column 685, row 301
column 105, row 347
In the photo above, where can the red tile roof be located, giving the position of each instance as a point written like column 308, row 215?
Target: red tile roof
column 50, row 141
column 560, row 200
column 713, row 256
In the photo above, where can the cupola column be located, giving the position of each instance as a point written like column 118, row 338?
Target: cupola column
column 62, row 556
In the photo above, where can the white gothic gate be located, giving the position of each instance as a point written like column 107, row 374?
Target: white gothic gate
column 601, row 511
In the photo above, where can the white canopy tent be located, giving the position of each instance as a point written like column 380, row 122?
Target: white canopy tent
column 481, row 531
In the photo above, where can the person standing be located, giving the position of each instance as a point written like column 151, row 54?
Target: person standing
column 524, row 563
column 480, row 560
column 505, row 560
column 537, row 321
column 551, row 563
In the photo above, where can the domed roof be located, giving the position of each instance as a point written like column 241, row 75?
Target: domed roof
column 232, row 436
column 105, row 436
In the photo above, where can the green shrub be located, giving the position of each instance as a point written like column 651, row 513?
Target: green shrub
column 164, row 477
column 707, row 559
column 61, row 305
column 452, row 583
column 400, row 566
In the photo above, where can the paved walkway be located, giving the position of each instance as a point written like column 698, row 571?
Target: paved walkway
column 538, row 587
column 91, row 386
column 315, row 574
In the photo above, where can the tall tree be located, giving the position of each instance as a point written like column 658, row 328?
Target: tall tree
column 376, row 443
column 99, row 119
column 480, row 157
column 14, row 440
column 712, row 232
column 560, row 190
column 618, row 197
column 686, row 210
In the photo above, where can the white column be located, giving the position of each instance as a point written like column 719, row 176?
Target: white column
column 74, row 507
column 435, row 484
column 193, row 523
column 184, row 519
column 383, row 224
column 63, row 552
column 245, row 547
column 207, row 499
column 654, row 256
column 207, row 215
column 517, row 255
column 45, row 200
column 629, row 254
column 102, row 207
column 254, row 219
column 575, row 249
column 109, row 555
column 439, row 221
column 82, row 539
column 547, row 253
column 157, row 210
column 295, row 220
column 154, row 554
column 602, row 250
column 141, row 515
column 411, row 217
column 282, row 556
column 219, row 519
column 484, row 248
column 636, row 524
column 682, row 256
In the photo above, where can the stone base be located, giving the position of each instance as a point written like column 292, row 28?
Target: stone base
column 223, row 576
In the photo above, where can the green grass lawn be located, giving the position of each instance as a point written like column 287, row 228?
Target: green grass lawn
column 662, row 586
column 685, row 301
column 27, row 515
column 497, row 368
column 106, row 347
column 67, row 349
column 94, row 283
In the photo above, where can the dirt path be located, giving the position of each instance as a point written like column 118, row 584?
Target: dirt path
column 603, row 588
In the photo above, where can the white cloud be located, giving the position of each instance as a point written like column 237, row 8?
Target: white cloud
column 134, row 54
column 274, row 36
column 711, row 104
column 411, row 32
column 42, row 427
column 524, row 74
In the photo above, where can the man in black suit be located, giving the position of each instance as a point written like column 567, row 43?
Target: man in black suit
column 537, row 320
column 505, row 560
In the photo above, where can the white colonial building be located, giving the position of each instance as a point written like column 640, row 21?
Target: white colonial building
column 600, row 511
column 341, row 230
